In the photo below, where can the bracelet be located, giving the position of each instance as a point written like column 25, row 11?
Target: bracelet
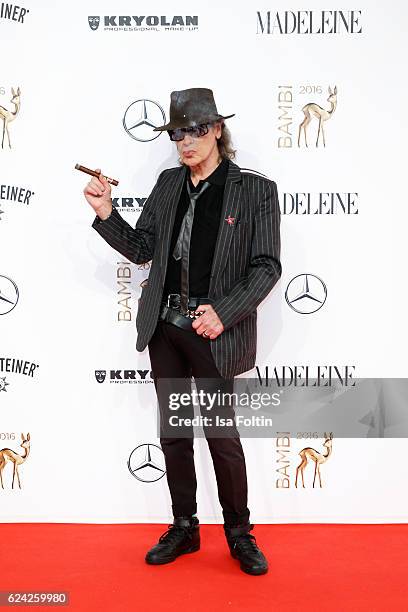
column 106, row 218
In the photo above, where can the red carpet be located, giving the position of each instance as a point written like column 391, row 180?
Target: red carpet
column 311, row 567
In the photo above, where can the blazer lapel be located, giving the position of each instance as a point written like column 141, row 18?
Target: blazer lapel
column 230, row 210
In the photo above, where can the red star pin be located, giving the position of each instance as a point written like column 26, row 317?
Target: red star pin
column 230, row 220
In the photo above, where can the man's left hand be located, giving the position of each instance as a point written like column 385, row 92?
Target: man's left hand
column 209, row 322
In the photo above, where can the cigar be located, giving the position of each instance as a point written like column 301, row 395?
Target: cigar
column 93, row 173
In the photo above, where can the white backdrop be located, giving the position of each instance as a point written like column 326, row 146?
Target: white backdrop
column 75, row 86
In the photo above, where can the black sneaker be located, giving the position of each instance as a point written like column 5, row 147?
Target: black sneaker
column 243, row 547
column 183, row 536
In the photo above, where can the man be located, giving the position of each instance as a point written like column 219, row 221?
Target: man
column 212, row 233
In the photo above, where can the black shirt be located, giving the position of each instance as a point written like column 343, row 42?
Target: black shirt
column 204, row 233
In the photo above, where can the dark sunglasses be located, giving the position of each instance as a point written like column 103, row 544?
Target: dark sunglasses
column 195, row 132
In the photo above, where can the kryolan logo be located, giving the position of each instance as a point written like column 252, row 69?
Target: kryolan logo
column 132, row 22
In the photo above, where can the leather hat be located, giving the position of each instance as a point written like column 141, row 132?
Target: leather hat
column 190, row 107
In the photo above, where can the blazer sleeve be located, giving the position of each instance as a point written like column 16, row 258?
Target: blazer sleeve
column 136, row 244
column 264, row 268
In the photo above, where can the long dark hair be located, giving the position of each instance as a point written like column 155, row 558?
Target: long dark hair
column 224, row 143
column 225, row 148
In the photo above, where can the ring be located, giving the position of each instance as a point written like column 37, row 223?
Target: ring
column 205, row 334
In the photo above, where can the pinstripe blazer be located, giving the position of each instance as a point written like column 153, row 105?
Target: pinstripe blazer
column 246, row 263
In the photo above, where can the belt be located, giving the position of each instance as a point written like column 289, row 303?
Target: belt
column 170, row 310
column 173, row 300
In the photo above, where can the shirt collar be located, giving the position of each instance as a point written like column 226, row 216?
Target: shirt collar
column 217, row 177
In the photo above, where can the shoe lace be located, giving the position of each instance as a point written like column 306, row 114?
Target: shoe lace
column 175, row 533
column 246, row 543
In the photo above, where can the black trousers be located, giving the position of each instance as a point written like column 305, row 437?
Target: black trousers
column 176, row 355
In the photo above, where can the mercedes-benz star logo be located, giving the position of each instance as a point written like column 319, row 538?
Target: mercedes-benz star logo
column 146, row 463
column 141, row 117
column 306, row 293
column 8, row 294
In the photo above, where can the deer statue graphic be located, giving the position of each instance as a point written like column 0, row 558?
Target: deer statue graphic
column 6, row 454
column 310, row 454
column 8, row 115
column 314, row 110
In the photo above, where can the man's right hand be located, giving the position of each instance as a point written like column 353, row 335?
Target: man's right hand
column 98, row 194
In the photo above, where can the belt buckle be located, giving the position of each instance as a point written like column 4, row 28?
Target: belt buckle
column 170, row 295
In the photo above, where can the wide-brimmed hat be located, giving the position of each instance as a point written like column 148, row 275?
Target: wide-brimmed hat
column 190, row 107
